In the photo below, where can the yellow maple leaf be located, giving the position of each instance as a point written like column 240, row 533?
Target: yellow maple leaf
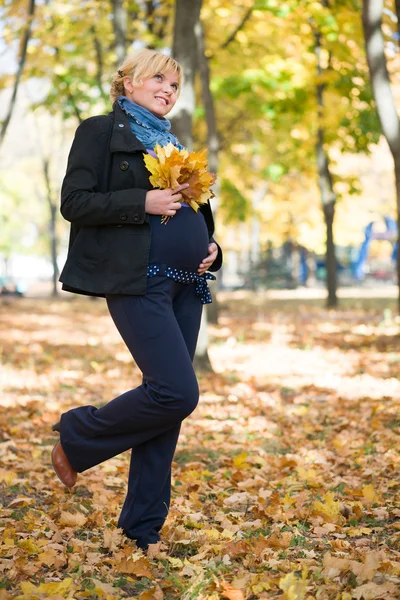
column 329, row 509
column 58, row 588
column 240, row 460
column 29, row 546
column 7, row 476
column 172, row 167
column 370, row 494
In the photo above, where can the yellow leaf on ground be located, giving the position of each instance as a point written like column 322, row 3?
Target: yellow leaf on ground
column 329, row 510
column 293, row 587
column 240, row 460
column 29, row 546
column 358, row 531
column 58, row 588
column 370, row 494
column 7, row 476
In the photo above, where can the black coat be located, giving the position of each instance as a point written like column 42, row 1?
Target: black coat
column 103, row 196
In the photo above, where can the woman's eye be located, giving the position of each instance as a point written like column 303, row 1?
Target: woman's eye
column 158, row 76
column 175, row 87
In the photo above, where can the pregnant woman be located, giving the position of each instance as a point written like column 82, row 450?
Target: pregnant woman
column 153, row 276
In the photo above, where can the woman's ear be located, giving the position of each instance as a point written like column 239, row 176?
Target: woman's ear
column 128, row 85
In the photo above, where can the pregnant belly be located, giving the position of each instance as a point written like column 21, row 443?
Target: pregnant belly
column 182, row 242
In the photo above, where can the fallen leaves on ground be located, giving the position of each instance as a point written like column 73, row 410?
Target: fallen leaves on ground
column 285, row 481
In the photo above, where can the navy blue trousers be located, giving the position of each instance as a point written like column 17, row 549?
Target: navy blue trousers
column 160, row 329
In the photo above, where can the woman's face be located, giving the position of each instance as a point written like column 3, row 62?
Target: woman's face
column 158, row 94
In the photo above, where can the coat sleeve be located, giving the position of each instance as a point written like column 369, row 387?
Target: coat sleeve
column 206, row 210
column 81, row 201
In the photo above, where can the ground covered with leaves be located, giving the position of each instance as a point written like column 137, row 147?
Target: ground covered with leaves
column 286, row 479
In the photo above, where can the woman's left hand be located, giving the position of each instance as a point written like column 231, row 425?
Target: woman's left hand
column 208, row 261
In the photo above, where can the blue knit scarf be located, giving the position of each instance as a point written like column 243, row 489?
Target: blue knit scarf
column 148, row 128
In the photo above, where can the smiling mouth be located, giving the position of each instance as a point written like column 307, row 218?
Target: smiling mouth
column 162, row 100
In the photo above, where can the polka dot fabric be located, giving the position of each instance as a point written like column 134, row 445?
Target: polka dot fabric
column 181, row 276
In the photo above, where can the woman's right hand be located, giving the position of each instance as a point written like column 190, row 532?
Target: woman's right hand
column 164, row 202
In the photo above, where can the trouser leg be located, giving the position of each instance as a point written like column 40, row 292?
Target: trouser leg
column 148, row 497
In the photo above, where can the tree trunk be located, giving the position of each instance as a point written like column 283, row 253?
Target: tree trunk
column 328, row 196
column 381, row 89
column 330, row 256
column 52, row 225
column 187, row 15
column 186, row 25
column 22, row 58
column 119, row 19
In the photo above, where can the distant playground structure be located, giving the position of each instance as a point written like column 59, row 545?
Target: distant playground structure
column 389, row 234
column 292, row 265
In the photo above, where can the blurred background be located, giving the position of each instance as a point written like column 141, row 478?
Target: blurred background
column 280, row 93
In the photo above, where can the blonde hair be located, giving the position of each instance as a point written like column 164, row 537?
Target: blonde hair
column 141, row 66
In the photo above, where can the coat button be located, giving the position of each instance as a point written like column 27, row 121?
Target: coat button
column 124, row 165
column 121, row 125
column 123, row 217
column 135, row 218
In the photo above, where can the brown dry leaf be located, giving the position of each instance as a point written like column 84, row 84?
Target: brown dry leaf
column 112, row 539
column 279, row 541
column 72, row 520
column 373, row 591
column 140, row 567
column 22, row 501
column 155, row 593
column 266, row 428
column 51, row 557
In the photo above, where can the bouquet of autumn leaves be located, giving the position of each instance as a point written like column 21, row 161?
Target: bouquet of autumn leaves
column 171, row 167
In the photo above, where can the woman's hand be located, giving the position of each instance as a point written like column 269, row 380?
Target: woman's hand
column 164, row 202
column 208, row 261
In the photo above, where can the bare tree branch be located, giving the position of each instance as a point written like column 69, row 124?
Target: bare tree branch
column 242, row 23
column 99, row 60
column 22, row 58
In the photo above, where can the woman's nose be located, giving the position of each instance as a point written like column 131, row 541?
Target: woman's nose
column 167, row 88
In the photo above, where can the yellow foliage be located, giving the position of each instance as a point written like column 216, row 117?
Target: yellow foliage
column 7, row 476
column 329, row 509
column 59, row 588
column 240, row 460
column 173, row 167
column 370, row 494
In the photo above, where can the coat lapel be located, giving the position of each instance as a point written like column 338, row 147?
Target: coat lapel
column 122, row 139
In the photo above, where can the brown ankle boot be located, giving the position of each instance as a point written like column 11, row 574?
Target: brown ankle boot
column 62, row 467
